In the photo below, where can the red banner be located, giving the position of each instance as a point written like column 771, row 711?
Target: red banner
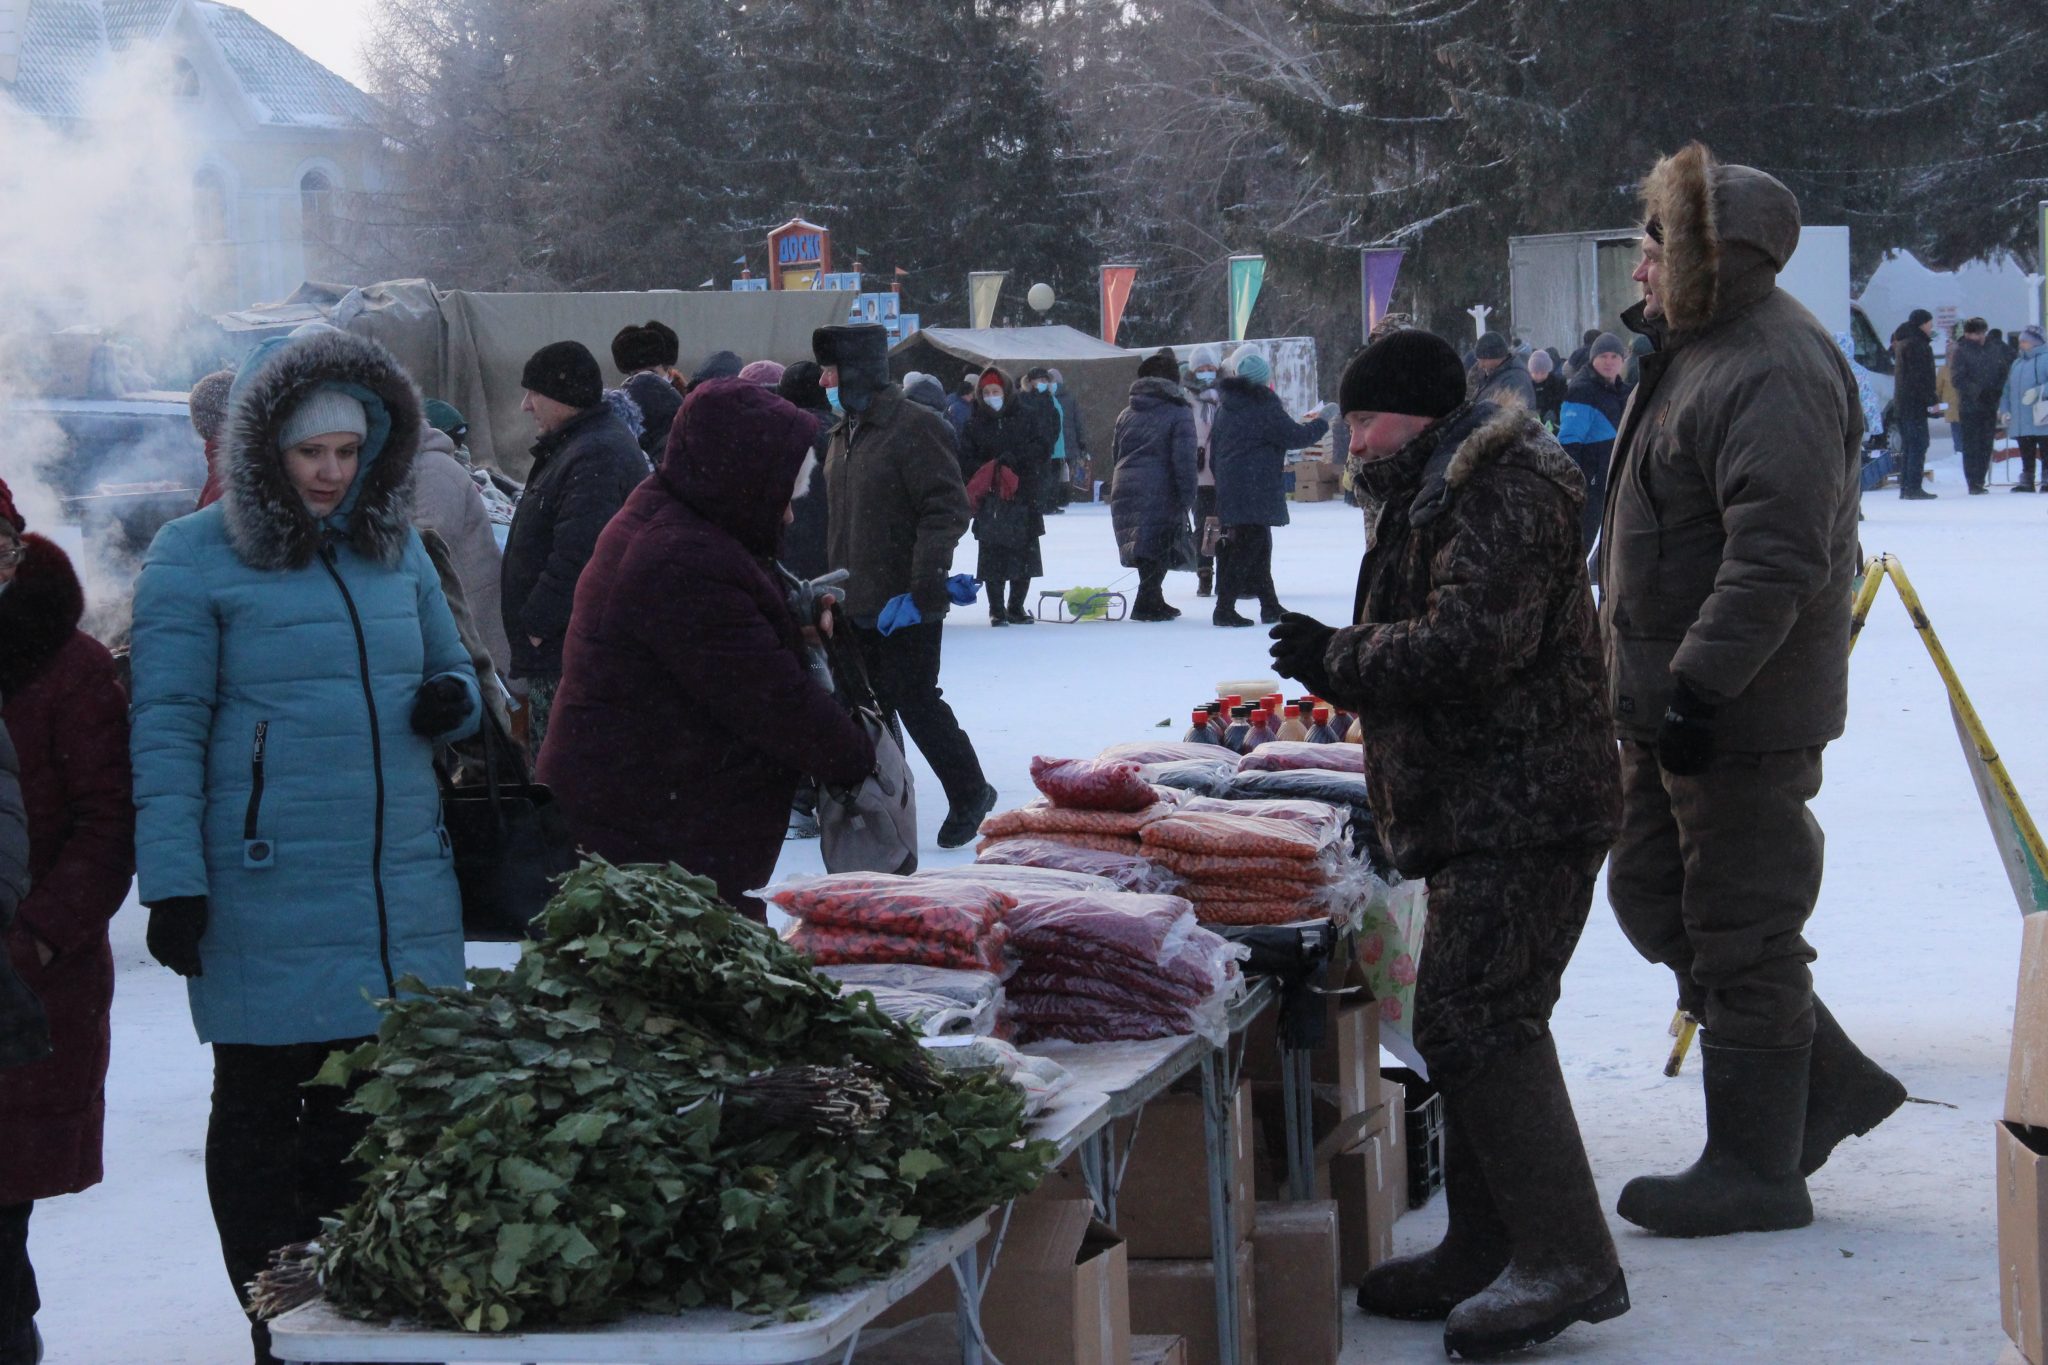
column 1116, row 292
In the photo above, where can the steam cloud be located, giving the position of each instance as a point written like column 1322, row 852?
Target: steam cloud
column 96, row 232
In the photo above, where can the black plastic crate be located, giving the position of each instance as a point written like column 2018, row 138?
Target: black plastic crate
column 1425, row 1120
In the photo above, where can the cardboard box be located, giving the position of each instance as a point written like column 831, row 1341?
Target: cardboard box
column 1351, row 1041
column 1159, row 1351
column 2026, row 1080
column 1299, row 1297
column 1162, row 1209
column 1394, row 1096
column 1179, row 1298
column 1060, row 1291
column 1366, row 1207
column 2023, row 1233
column 1331, row 1131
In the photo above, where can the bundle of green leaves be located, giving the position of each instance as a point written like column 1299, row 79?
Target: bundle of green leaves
column 660, row 1107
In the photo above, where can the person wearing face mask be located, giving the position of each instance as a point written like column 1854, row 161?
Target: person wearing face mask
column 897, row 507
column 294, row 665
column 1070, row 457
column 1034, row 398
column 65, row 713
column 1205, row 400
column 1007, row 436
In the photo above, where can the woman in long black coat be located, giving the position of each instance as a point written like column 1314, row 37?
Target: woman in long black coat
column 1152, row 483
column 1001, row 432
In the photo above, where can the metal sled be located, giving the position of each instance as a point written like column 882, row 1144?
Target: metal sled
column 1062, row 612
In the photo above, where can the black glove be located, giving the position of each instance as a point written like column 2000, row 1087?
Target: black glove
column 1299, row 644
column 175, row 928
column 440, row 706
column 1685, row 742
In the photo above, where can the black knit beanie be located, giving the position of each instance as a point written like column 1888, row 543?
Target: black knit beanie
column 1414, row 373
column 565, row 371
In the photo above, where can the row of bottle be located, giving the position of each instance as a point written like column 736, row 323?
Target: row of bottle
column 1242, row 726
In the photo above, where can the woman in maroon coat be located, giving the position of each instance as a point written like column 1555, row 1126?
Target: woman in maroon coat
column 68, row 717
column 686, row 714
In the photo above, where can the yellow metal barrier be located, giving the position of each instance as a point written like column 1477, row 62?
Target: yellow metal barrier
column 2019, row 843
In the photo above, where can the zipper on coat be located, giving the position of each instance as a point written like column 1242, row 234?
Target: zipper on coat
column 376, row 766
column 256, row 850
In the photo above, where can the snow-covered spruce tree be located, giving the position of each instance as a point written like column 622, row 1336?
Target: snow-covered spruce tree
column 921, row 132
column 1450, row 125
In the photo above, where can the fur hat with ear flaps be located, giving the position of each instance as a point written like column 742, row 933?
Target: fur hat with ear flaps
column 267, row 522
column 1716, row 222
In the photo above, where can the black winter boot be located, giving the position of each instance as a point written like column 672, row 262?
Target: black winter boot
column 1747, row 1179
column 1562, row 1269
column 963, row 821
column 1847, row 1094
column 1426, row 1287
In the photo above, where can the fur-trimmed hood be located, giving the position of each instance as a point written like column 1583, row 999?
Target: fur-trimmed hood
column 38, row 612
column 267, row 523
column 1726, row 230
column 1443, row 459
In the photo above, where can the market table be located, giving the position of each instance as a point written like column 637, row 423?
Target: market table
column 317, row 1332
column 1112, row 1081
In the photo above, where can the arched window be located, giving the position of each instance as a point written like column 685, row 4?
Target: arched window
column 184, row 79
column 209, row 206
column 316, row 208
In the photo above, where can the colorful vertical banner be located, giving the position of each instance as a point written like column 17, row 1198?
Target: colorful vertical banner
column 984, row 287
column 1116, row 292
column 1247, row 276
column 1378, row 268
column 2043, row 258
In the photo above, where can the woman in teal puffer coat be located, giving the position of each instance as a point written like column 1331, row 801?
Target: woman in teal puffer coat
column 294, row 663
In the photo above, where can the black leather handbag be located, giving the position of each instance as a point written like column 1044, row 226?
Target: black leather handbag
column 510, row 842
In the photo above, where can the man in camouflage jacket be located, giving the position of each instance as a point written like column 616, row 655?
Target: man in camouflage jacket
column 1476, row 673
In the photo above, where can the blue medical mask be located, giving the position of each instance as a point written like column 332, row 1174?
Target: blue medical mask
column 994, row 401
column 832, row 397
column 1040, row 386
column 1205, row 377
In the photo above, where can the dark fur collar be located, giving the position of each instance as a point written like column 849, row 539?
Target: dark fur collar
column 267, row 524
column 38, row 613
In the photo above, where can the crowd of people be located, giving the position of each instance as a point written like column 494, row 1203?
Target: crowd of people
column 313, row 648
column 1986, row 389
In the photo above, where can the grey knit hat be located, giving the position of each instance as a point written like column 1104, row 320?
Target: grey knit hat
column 1607, row 344
column 322, row 412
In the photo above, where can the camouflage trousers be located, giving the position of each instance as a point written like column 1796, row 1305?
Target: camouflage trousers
column 1502, row 928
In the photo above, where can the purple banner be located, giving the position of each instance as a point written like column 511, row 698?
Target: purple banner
column 1379, row 267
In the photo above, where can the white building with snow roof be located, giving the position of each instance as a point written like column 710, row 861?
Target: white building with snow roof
column 275, row 139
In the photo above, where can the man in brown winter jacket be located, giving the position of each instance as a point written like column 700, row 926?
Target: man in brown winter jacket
column 896, row 508
column 1475, row 670
column 1726, row 557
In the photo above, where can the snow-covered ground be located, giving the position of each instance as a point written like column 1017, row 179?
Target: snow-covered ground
column 1917, row 933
